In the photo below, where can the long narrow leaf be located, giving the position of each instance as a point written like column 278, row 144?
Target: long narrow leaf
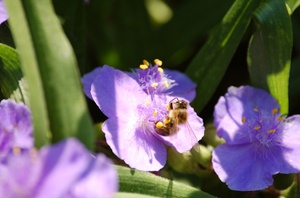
column 22, row 38
column 149, row 184
column 210, row 64
column 55, row 64
column 270, row 49
column 66, row 104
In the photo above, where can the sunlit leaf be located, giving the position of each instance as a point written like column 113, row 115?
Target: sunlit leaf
column 29, row 65
column 292, row 4
column 56, row 67
column 270, row 49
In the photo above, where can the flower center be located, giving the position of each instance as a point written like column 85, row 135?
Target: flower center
column 264, row 127
column 153, row 79
column 150, row 113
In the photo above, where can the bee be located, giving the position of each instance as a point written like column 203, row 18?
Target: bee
column 177, row 115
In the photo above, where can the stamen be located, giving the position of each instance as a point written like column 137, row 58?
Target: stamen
column 147, row 103
column 154, row 85
column 271, row 130
column 274, row 111
column 155, row 113
column 161, row 70
column 280, row 118
column 158, row 62
column 256, row 128
column 159, row 125
column 255, row 109
column 243, row 119
column 143, row 67
column 167, row 84
column 167, row 121
column 145, row 62
column 17, row 150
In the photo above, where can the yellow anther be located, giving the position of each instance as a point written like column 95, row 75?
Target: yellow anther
column 243, row 119
column 145, row 62
column 155, row 113
column 255, row 109
column 154, row 85
column 143, row 67
column 167, row 121
column 158, row 62
column 256, row 128
column 167, row 84
column 271, row 130
column 280, row 118
column 161, row 70
column 17, row 150
column 147, row 103
column 274, row 111
column 159, row 125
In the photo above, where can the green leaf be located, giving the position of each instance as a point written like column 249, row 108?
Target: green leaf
column 270, row 49
column 131, row 195
column 292, row 5
column 57, row 69
column 150, row 184
column 12, row 83
column 29, row 65
column 210, row 64
column 191, row 21
column 72, row 17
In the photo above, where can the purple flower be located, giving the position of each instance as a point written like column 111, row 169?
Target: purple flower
column 15, row 126
column 259, row 141
column 130, row 129
column 3, row 13
column 66, row 169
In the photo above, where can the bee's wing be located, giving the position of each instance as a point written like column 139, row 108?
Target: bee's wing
column 190, row 135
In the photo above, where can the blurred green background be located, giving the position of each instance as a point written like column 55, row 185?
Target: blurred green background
column 209, row 40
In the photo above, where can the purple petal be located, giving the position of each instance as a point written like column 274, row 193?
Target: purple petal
column 241, row 167
column 290, row 145
column 188, row 135
column 88, row 79
column 63, row 164
column 226, row 127
column 116, row 93
column 99, row 180
column 3, row 13
column 19, row 175
column 139, row 149
column 185, row 87
column 15, row 125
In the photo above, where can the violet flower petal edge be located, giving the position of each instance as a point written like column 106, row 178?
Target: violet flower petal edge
column 185, row 87
column 115, row 93
column 250, row 173
column 139, row 149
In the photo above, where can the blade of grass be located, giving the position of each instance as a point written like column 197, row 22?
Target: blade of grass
column 210, row 64
column 22, row 38
column 270, row 49
column 150, row 184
